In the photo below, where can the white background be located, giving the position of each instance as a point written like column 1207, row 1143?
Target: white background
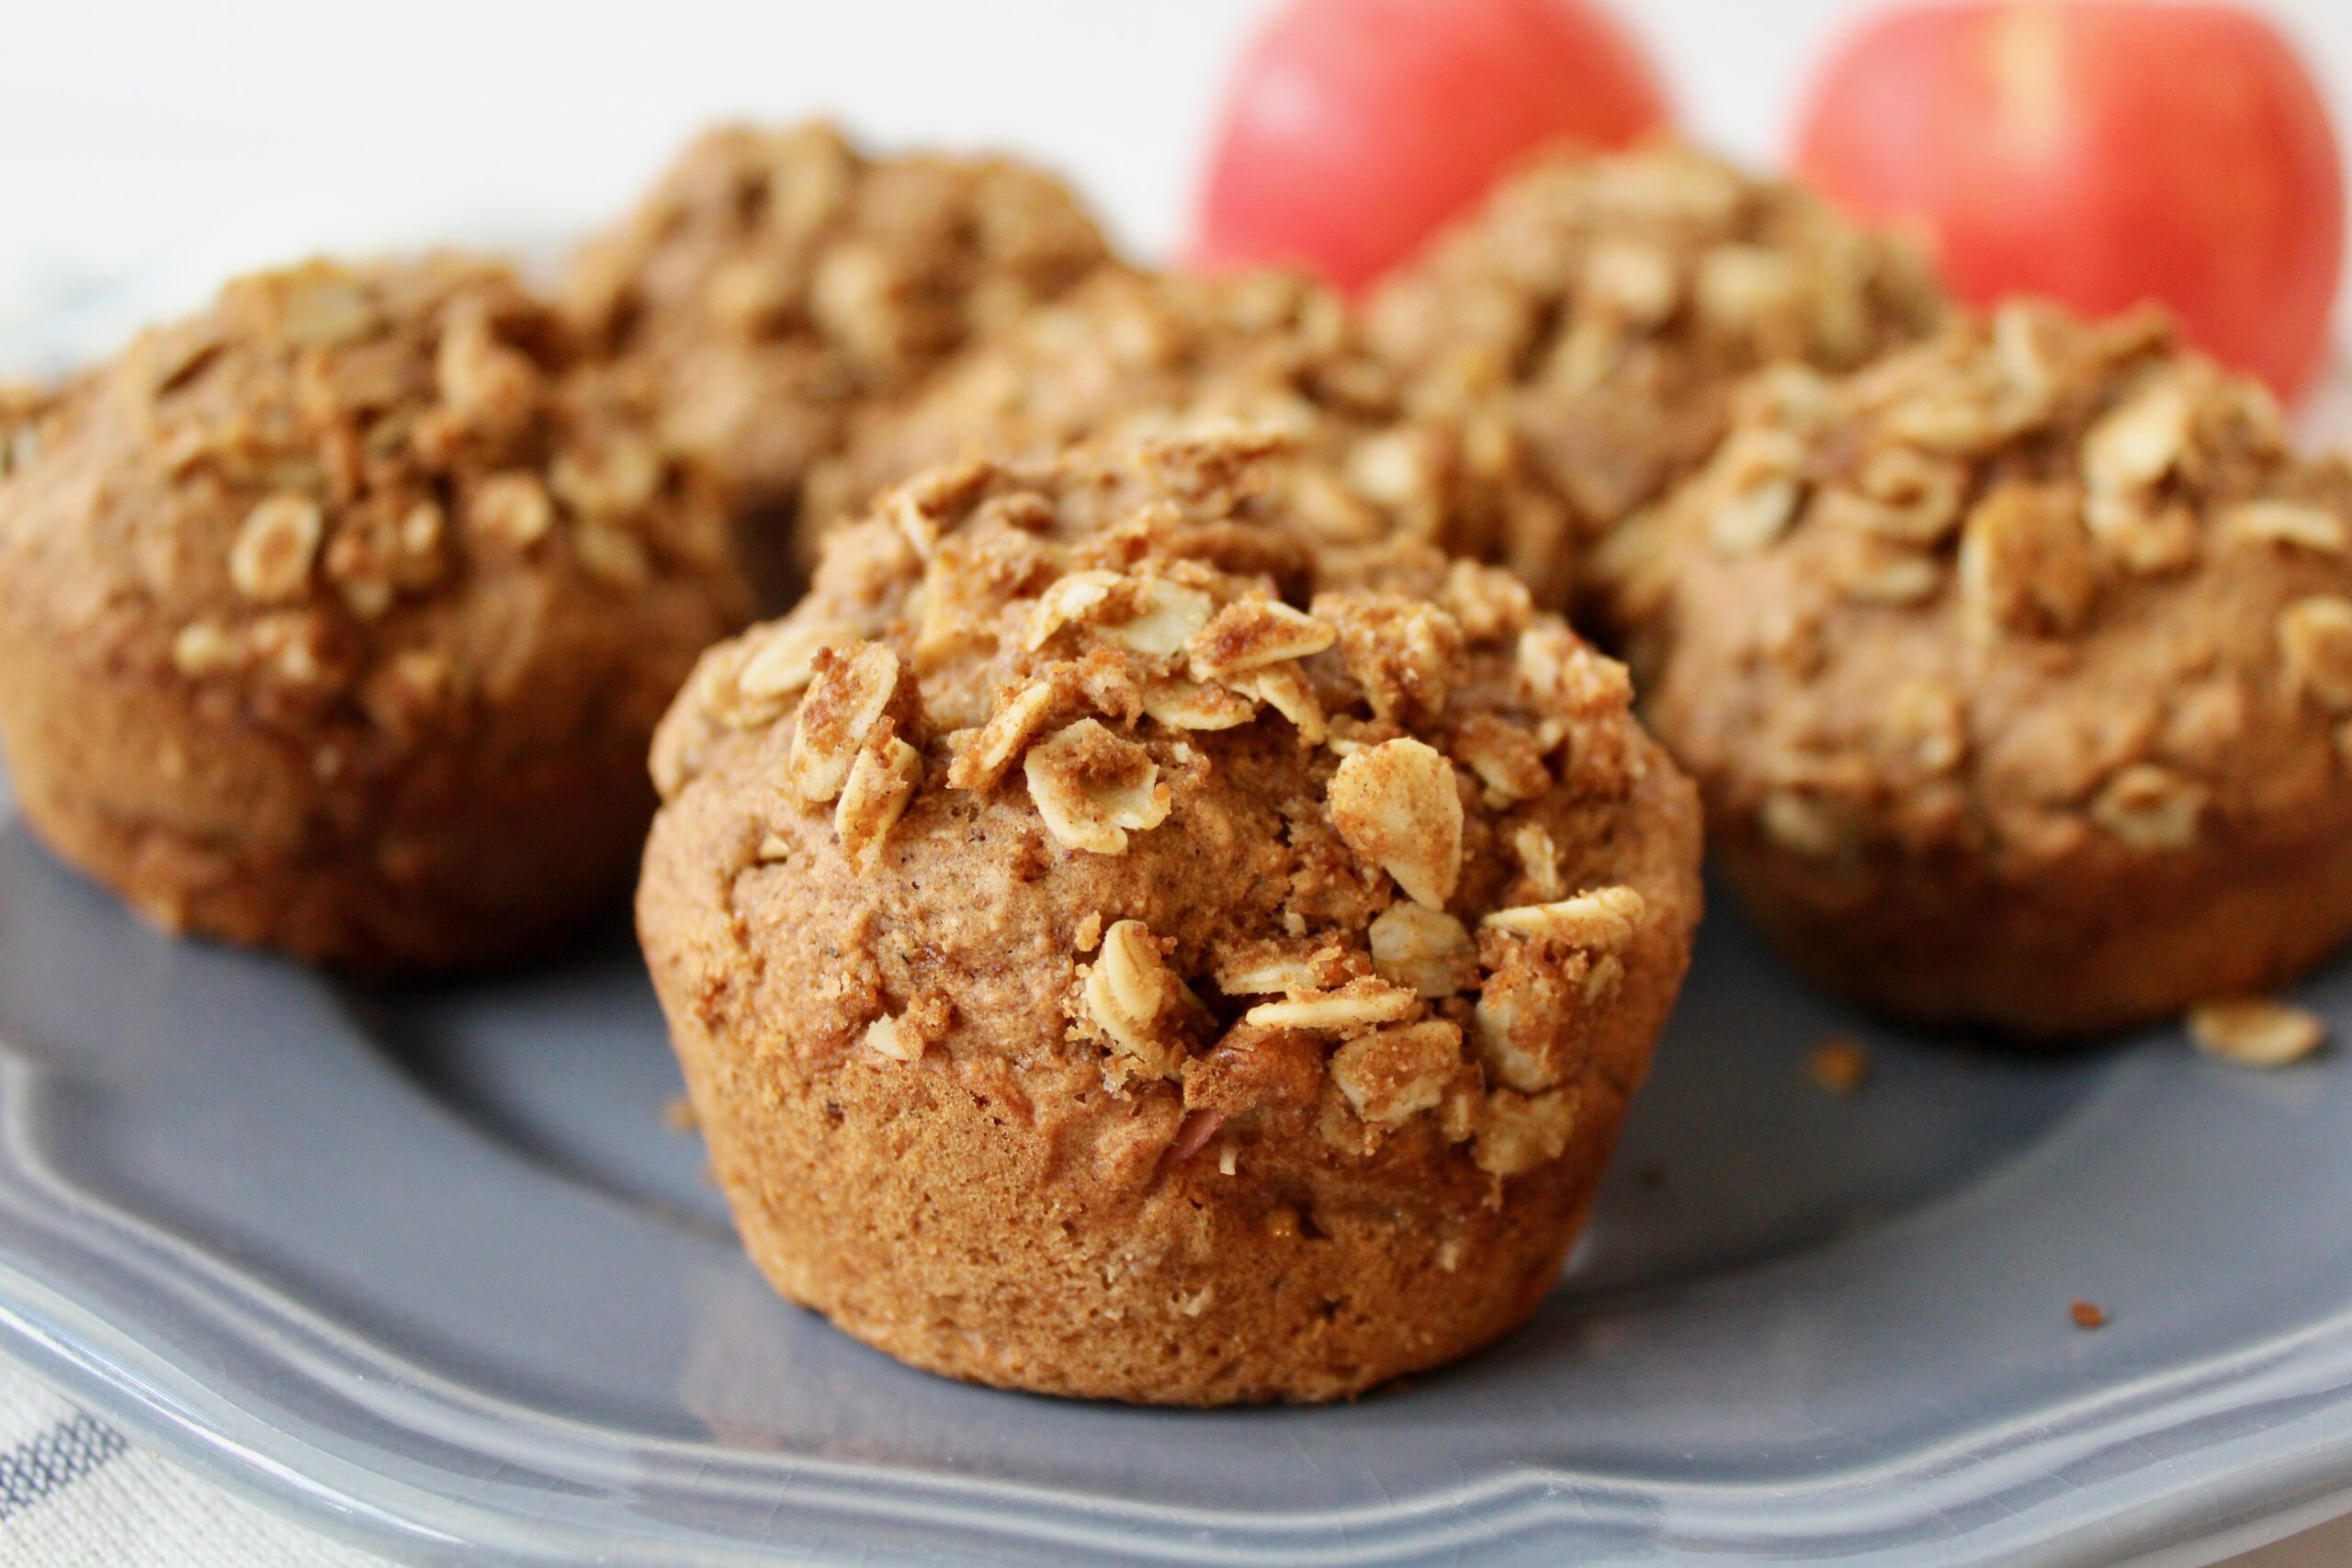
column 173, row 143
column 180, row 141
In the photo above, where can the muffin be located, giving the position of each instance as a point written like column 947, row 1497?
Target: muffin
column 773, row 281
column 2015, row 672
column 337, row 618
column 1112, row 955
column 1616, row 298
column 1129, row 356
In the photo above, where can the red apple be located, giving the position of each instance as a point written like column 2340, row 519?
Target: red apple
column 2100, row 153
column 1354, row 128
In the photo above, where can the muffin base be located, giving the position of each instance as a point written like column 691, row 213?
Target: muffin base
column 486, row 852
column 2064, row 960
column 923, row 1219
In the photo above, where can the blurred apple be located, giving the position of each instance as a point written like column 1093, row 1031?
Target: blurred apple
column 2100, row 153
column 1354, row 127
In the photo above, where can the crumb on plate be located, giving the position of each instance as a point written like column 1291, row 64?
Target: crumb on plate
column 2256, row 1031
column 1841, row 1065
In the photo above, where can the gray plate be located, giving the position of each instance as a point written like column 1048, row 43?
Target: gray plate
column 427, row 1270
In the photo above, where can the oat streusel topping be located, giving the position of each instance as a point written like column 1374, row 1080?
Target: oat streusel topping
column 1618, row 298
column 309, row 482
column 773, row 279
column 1148, row 645
column 23, row 405
column 2044, row 589
column 1130, row 357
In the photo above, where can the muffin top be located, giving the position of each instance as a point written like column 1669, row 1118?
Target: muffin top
column 1620, row 294
column 2039, row 591
column 369, row 498
column 774, row 277
column 1087, row 775
column 1129, row 356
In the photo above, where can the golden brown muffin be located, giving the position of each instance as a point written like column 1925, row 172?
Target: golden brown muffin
column 1618, row 298
column 2015, row 672
column 337, row 618
column 1110, row 958
column 771, row 280
column 1129, row 356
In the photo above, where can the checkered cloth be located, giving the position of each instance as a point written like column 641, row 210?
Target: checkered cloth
column 75, row 1492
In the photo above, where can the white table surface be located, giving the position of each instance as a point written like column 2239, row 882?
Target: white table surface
column 177, row 144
